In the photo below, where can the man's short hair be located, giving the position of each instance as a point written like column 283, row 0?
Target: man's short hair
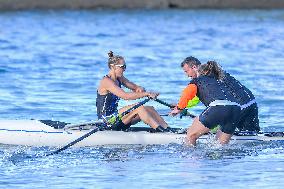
column 191, row 61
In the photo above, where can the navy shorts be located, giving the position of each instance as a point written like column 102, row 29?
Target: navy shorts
column 249, row 119
column 226, row 116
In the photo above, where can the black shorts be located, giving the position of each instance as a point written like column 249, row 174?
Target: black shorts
column 120, row 126
column 226, row 116
column 249, row 119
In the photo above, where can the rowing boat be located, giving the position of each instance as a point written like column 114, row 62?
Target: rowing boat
column 46, row 133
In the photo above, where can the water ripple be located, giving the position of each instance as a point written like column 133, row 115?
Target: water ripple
column 51, row 63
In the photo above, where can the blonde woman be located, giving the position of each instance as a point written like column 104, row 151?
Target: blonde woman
column 110, row 92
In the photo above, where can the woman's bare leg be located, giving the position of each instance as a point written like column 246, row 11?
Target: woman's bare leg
column 196, row 130
column 218, row 134
column 224, row 138
column 142, row 113
column 156, row 116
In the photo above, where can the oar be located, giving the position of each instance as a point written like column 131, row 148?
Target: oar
column 164, row 103
column 183, row 113
column 97, row 129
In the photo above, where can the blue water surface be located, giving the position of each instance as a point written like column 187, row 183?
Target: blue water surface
column 51, row 63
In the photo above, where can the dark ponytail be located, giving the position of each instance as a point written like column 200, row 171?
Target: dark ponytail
column 211, row 68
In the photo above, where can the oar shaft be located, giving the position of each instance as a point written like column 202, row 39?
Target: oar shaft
column 74, row 142
column 189, row 114
column 96, row 129
column 164, row 103
column 135, row 106
column 172, row 106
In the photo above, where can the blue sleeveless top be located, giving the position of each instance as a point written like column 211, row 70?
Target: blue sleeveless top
column 210, row 89
column 107, row 104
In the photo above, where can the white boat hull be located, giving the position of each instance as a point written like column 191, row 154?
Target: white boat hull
column 36, row 133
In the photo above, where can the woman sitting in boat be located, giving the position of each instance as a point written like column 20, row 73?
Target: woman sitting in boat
column 110, row 92
column 229, row 104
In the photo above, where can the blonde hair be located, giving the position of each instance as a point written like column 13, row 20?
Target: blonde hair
column 113, row 59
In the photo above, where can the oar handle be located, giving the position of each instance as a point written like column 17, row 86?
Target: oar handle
column 172, row 106
column 185, row 112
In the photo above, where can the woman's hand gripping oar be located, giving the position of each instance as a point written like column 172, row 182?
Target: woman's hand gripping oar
column 184, row 112
column 97, row 129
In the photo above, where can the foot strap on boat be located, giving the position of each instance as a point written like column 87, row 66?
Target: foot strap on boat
column 151, row 130
column 161, row 129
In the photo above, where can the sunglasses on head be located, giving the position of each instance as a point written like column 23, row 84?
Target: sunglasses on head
column 123, row 66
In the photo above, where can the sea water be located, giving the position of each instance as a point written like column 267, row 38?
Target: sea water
column 51, row 63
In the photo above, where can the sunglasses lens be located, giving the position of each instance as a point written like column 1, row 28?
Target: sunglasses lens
column 121, row 66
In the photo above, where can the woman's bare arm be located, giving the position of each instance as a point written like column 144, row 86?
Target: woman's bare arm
column 130, row 85
column 109, row 85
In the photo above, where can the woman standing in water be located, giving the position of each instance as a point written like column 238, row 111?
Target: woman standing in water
column 228, row 103
column 110, row 92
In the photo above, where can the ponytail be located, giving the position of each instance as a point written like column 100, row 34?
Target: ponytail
column 212, row 68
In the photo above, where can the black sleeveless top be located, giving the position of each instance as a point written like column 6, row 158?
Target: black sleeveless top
column 107, row 104
column 210, row 89
column 242, row 94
